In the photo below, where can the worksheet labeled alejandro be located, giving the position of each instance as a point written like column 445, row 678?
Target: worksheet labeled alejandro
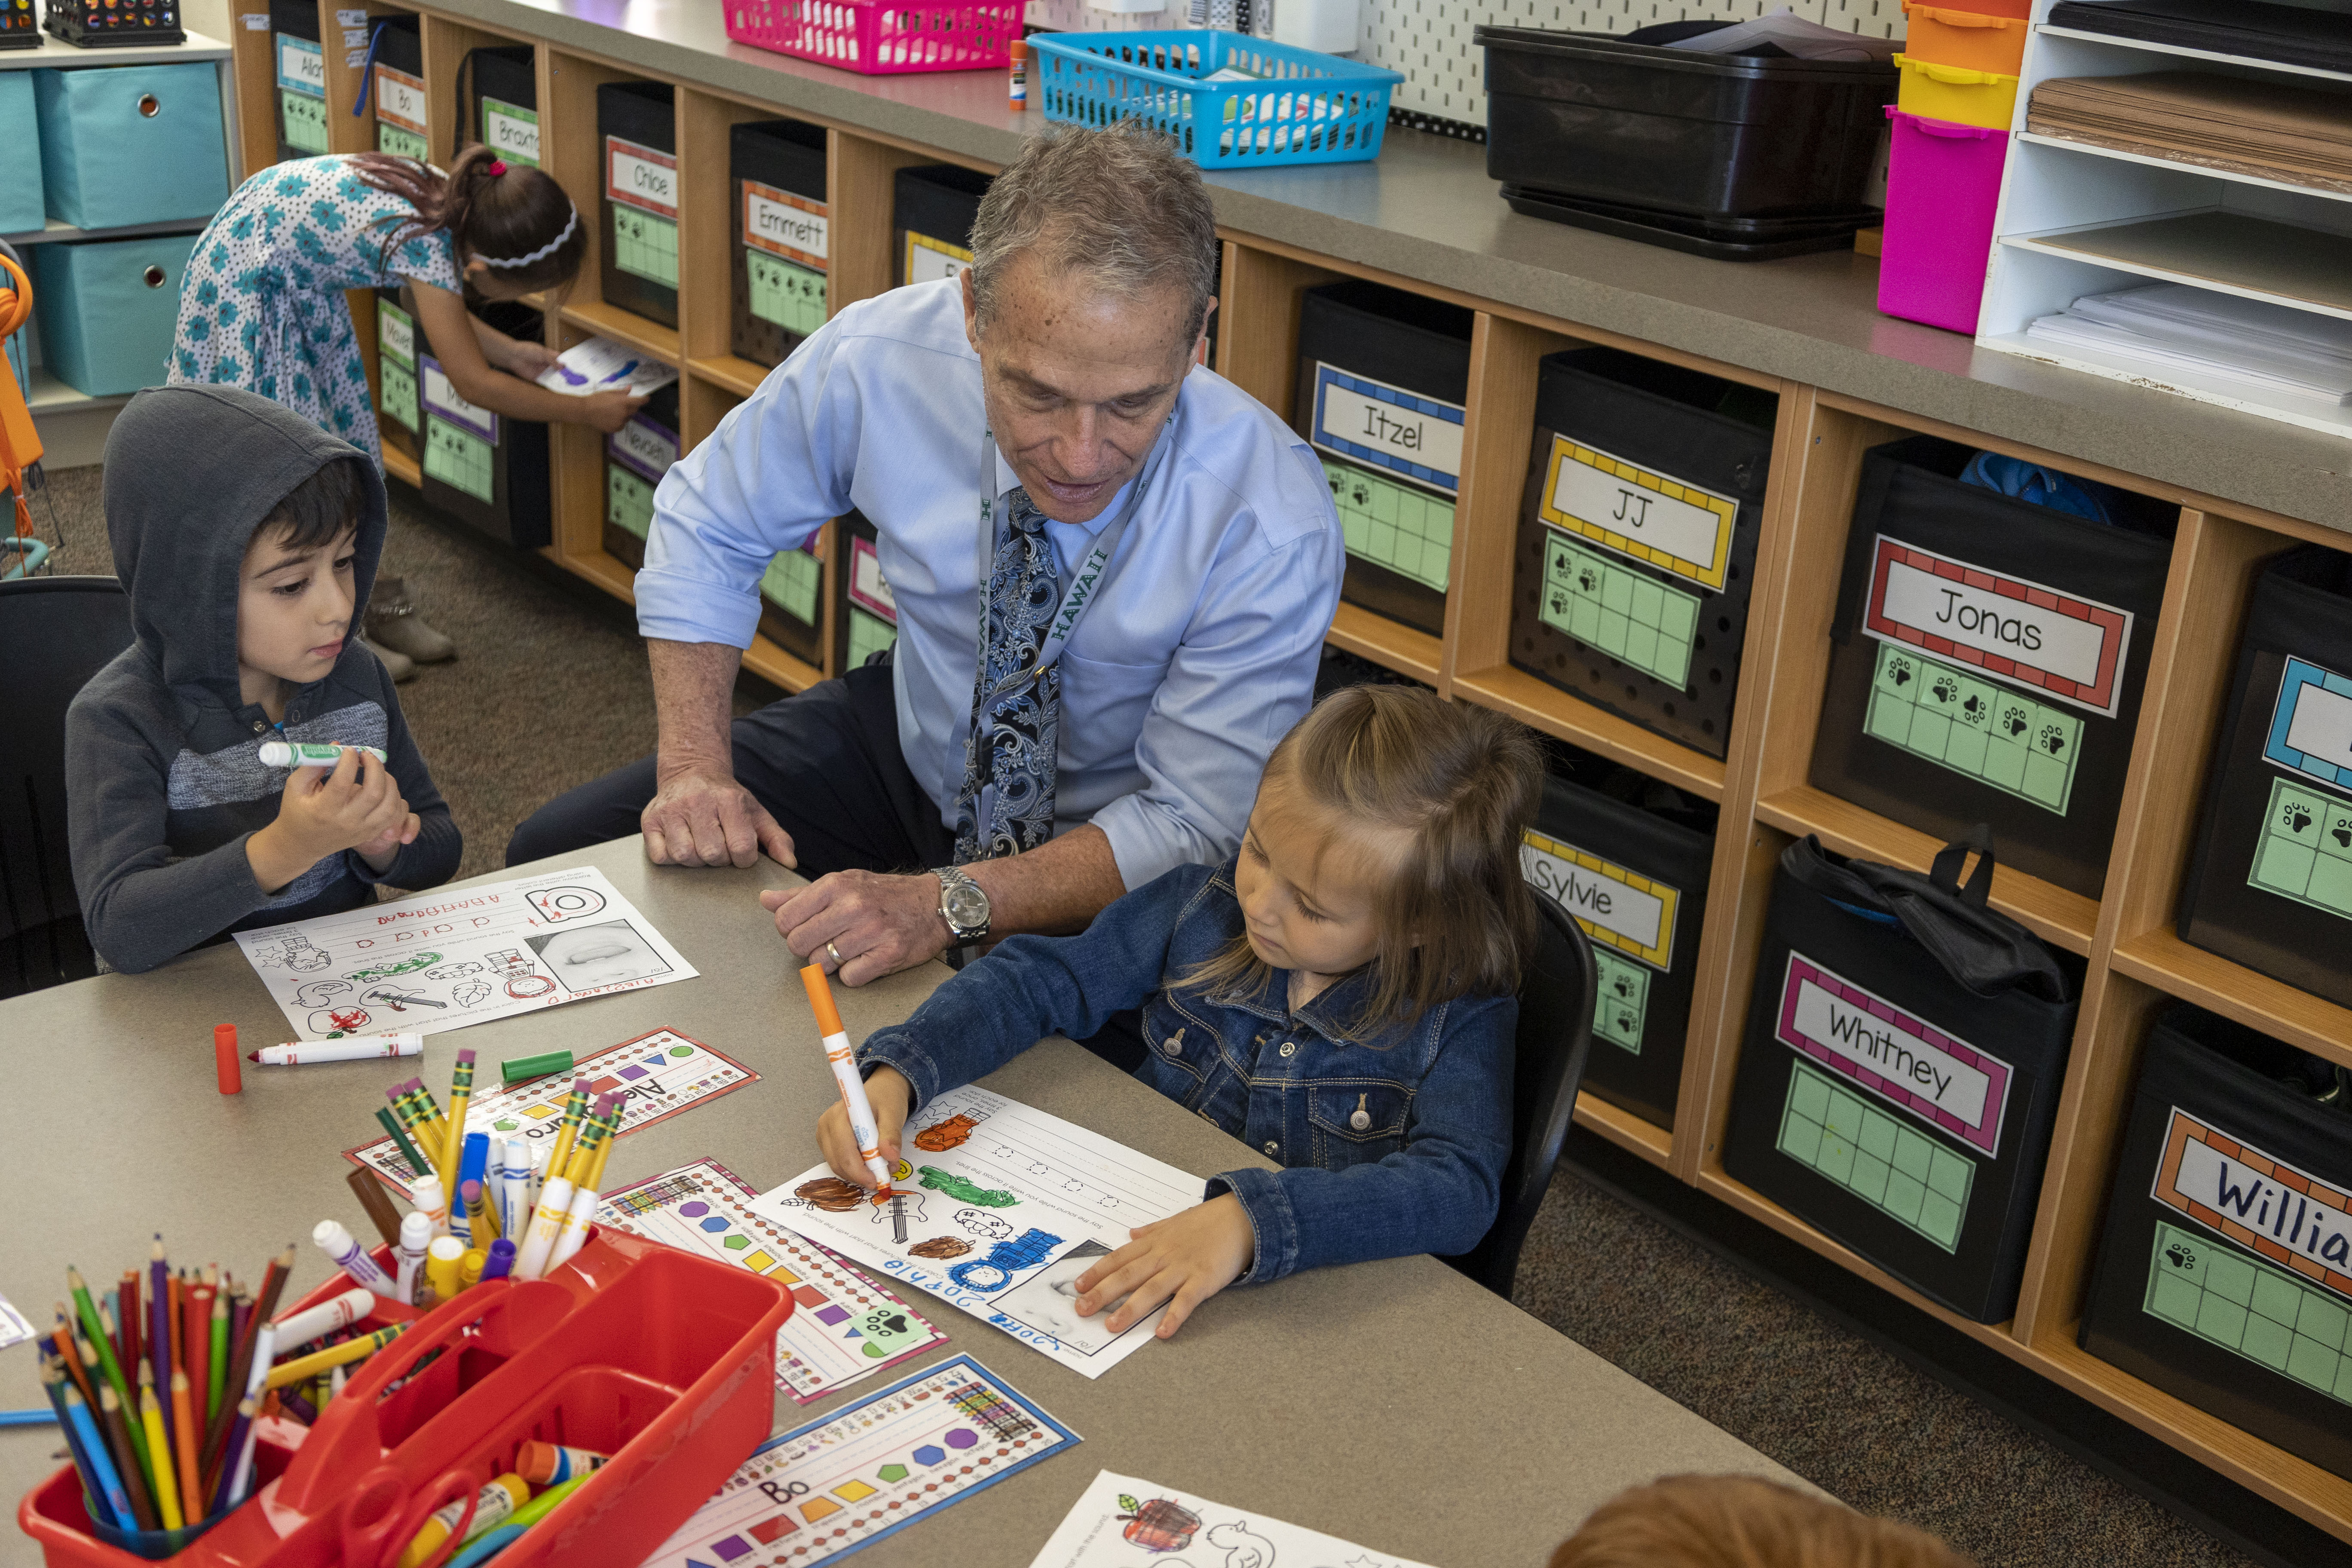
column 460, row 956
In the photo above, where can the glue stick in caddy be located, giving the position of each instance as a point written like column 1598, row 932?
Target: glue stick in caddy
column 837, row 1055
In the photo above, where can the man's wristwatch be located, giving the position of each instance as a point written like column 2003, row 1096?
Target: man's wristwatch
column 964, row 905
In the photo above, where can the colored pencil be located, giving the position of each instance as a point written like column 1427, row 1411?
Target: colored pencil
column 108, row 1488
column 373, row 1198
column 96, row 1377
column 273, row 1280
column 400, row 1139
column 54, row 1385
column 128, row 1318
column 184, row 1411
column 126, row 1459
column 159, row 1311
column 62, row 1338
column 166, row 1478
column 217, row 1357
column 197, row 1334
column 97, row 1331
column 177, row 1356
column 238, row 1427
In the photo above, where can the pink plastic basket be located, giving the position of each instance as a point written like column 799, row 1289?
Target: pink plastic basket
column 1943, row 184
column 881, row 40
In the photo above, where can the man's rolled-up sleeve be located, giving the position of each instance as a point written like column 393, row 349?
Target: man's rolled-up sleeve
column 1243, row 675
column 775, row 470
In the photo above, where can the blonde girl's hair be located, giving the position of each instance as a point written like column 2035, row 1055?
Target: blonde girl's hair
column 512, row 216
column 1739, row 1521
column 1442, row 791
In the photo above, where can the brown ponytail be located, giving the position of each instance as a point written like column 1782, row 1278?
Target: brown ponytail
column 502, row 217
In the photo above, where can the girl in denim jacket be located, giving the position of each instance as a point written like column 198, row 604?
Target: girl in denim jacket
column 1341, row 996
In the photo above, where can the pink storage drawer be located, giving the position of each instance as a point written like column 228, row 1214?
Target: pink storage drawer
column 1943, row 186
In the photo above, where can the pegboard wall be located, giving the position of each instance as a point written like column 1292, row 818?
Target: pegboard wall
column 1429, row 41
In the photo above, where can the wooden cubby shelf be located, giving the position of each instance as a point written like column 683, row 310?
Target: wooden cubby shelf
column 2132, row 964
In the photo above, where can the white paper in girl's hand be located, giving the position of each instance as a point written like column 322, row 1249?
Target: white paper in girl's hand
column 601, row 364
column 1120, row 1521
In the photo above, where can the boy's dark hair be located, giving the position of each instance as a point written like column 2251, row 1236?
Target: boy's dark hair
column 321, row 508
column 518, row 219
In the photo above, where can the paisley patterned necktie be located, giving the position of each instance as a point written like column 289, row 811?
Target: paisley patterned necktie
column 1015, row 743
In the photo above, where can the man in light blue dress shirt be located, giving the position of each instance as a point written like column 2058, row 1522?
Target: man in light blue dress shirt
column 1070, row 343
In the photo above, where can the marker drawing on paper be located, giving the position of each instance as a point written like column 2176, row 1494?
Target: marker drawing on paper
column 1119, row 1522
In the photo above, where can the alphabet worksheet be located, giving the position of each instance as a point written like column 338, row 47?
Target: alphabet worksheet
column 459, row 956
column 997, row 1208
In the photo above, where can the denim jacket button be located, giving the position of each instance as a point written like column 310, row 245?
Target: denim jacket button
column 1273, row 1150
column 1175, row 1044
column 1360, row 1121
column 1290, row 1047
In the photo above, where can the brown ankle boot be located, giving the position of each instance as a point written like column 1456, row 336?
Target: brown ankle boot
column 392, row 623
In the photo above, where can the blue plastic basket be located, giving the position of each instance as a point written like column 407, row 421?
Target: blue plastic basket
column 1279, row 105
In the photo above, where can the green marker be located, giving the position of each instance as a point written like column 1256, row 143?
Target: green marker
column 312, row 753
column 523, row 1068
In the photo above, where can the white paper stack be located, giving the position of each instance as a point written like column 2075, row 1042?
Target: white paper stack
column 2270, row 349
column 601, row 364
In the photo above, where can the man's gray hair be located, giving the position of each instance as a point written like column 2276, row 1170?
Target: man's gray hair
column 1119, row 207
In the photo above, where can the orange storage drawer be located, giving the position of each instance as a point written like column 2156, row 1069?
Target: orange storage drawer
column 1974, row 37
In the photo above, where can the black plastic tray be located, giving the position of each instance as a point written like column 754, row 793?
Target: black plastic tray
column 1735, row 239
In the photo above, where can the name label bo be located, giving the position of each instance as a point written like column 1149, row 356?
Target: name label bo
column 785, row 225
column 2072, row 647
column 1904, row 1061
column 640, row 176
column 1370, row 421
column 1619, row 908
column 400, row 98
column 513, row 131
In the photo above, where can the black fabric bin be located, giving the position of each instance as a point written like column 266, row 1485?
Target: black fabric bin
column 2224, row 1274
column 1589, row 117
column 864, row 615
column 498, row 87
column 1382, row 378
column 1880, row 1097
column 400, row 416
column 931, row 211
column 489, row 471
column 2270, row 885
column 636, row 456
column 1625, row 859
column 301, row 120
column 780, row 249
column 2023, row 716
column 636, row 127
column 1637, row 539
column 398, row 40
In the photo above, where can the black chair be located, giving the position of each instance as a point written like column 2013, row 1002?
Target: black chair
column 55, row 634
column 1555, row 1036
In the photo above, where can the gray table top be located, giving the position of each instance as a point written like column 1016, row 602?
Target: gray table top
column 1394, row 1403
column 1426, row 211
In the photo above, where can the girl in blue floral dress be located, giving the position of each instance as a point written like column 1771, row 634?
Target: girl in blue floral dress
column 263, row 304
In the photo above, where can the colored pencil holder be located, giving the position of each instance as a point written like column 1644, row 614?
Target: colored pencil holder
column 153, row 1545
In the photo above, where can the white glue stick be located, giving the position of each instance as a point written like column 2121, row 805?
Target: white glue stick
column 350, row 1257
column 312, row 753
column 837, row 1055
column 316, row 1322
column 554, row 1203
column 431, row 1202
column 574, row 1233
column 416, row 1236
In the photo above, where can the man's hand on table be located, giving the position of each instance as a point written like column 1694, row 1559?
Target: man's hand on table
column 1183, row 1260
column 703, row 817
column 878, row 925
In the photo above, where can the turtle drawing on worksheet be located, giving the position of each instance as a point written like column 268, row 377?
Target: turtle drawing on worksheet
column 941, row 1136
column 963, row 1189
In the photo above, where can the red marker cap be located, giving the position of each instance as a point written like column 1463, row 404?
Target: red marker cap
column 226, row 1067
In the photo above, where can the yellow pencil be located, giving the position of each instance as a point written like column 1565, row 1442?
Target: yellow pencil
column 304, row 1369
column 567, row 1131
column 594, row 1133
column 453, row 1148
column 151, row 1420
column 591, row 1181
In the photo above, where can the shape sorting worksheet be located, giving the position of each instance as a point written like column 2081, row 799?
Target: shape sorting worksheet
column 847, row 1480
column 656, row 1075
column 465, row 955
column 844, row 1326
column 1123, row 1522
column 998, row 1208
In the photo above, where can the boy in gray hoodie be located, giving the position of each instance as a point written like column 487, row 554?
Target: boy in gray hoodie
column 247, row 539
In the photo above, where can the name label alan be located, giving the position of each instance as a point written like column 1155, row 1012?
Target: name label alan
column 1901, row 1059
column 2256, row 1200
column 2013, row 628
column 301, row 65
column 640, row 176
column 785, row 225
column 1615, row 906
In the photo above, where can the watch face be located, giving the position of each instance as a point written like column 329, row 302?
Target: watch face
column 967, row 905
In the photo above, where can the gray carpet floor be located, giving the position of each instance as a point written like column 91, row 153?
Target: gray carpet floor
column 550, row 690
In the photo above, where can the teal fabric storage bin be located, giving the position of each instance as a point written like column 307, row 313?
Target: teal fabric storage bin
column 107, row 309
column 21, row 205
column 125, row 145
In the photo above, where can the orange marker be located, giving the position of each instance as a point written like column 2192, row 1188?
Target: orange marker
column 837, row 1056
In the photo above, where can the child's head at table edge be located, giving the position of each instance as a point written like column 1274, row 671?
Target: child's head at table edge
column 1742, row 1522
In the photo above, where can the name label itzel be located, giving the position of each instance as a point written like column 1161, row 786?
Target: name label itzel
column 641, row 176
column 513, row 132
column 1370, row 421
column 788, row 225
